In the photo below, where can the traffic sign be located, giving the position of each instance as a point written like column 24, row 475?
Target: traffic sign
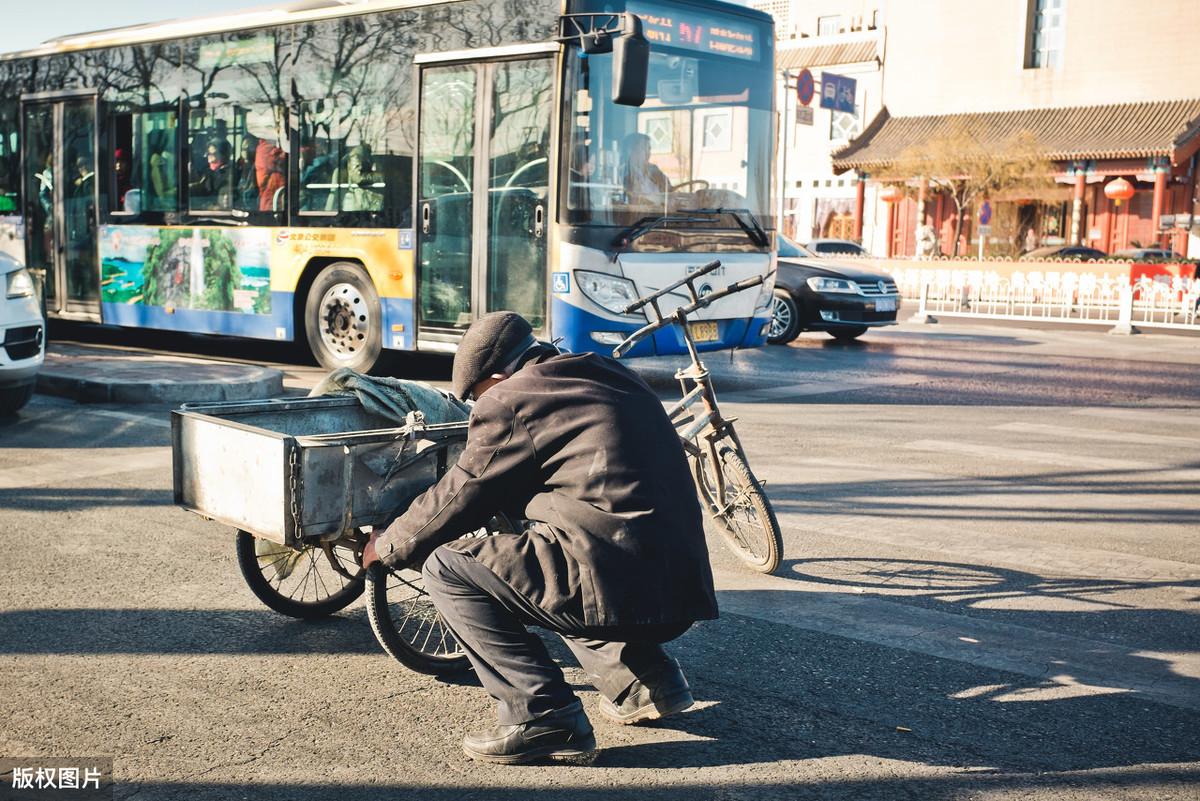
column 805, row 87
column 837, row 92
column 985, row 213
column 804, row 115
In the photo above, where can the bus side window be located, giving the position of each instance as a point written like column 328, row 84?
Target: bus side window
column 158, row 161
column 320, row 156
column 370, row 183
column 124, row 180
column 10, row 159
column 210, row 161
column 260, row 153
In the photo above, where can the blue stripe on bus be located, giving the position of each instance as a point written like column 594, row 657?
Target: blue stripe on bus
column 575, row 326
column 397, row 312
column 276, row 325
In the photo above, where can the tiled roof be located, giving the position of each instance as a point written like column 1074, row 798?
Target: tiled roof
column 826, row 55
column 1131, row 130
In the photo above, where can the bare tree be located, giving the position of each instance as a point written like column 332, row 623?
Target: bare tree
column 968, row 169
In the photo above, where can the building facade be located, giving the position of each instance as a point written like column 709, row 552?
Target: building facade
column 844, row 38
column 1108, row 90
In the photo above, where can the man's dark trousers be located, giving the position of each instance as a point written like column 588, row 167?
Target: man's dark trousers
column 489, row 618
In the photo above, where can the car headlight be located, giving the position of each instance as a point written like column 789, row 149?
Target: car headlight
column 20, row 284
column 819, row 283
column 607, row 291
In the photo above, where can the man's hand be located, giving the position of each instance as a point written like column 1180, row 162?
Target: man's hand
column 370, row 556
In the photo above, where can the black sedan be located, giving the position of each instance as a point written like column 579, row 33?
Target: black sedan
column 817, row 294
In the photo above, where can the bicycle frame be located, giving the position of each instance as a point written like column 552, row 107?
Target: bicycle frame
column 701, row 430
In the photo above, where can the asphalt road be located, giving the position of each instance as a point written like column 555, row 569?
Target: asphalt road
column 990, row 590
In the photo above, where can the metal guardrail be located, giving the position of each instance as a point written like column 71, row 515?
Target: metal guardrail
column 1067, row 298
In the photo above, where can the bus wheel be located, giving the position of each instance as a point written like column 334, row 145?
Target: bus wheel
column 343, row 319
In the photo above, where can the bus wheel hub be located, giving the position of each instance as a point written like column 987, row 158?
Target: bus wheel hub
column 344, row 320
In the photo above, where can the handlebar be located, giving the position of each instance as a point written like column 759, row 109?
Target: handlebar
column 680, row 314
column 640, row 302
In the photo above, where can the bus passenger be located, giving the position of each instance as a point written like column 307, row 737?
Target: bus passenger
column 270, row 163
column 359, row 187
column 213, row 191
column 122, row 178
column 247, row 178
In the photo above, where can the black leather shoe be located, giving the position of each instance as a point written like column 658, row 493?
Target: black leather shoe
column 658, row 694
column 565, row 734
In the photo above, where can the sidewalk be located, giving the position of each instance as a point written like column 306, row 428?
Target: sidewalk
column 115, row 375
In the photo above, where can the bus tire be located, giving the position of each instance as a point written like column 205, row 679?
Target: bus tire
column 343, row 319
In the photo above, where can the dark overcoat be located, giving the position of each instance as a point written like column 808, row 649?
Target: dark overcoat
column 580, row 446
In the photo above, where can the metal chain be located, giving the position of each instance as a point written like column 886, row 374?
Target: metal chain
column 294, row 487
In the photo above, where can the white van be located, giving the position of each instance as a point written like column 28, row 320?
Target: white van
column 22, row 335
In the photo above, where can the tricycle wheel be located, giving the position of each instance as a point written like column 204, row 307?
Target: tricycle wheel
column 407, row 624
column 302, row 582
column 405, row 621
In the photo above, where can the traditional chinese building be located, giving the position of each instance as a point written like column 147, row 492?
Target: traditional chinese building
column 1107, row 94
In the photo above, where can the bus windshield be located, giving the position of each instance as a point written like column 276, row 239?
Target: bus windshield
column 702, row 140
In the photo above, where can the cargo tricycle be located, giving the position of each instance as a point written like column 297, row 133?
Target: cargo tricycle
column 302, row 502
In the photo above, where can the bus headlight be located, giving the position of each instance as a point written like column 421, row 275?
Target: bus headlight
column 610, row 292
column 765, row 292
column 20, row 284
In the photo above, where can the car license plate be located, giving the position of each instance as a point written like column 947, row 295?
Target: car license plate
column 885, row 304
column 704, row 332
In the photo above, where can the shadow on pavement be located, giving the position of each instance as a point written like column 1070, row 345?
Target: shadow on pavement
column 73, row 499
column 780, row 692
column 1029, row 497
column 1144, row 782
column 181, row 631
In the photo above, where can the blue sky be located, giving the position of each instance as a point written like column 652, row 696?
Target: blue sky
column 46, row 19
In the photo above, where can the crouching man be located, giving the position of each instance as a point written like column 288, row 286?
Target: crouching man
column 614, row 560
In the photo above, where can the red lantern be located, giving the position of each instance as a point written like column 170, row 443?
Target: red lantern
column 1118, row 190
column 891, row 194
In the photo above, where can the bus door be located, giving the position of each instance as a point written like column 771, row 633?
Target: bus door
column 59, row 158
column 482, row 212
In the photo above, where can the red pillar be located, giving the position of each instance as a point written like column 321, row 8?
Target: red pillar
column 1160, row 189
column 1106, row 236
column 860, row 203
column 1077, row 221
column 891, row 229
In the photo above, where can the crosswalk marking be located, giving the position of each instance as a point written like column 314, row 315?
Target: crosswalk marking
column 1166, row 418
column 997, row 452
column 1051, row 431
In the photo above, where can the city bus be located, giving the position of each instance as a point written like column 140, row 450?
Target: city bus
column 376, row 175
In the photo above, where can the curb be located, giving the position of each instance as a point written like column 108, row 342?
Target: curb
column 254, row 383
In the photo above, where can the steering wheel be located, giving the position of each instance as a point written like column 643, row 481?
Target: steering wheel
column 677, row 187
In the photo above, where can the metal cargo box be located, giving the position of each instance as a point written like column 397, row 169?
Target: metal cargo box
column 302, row 470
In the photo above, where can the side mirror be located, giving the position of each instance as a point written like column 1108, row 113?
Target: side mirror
column 630, row 64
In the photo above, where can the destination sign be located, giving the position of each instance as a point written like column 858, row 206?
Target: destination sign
column 695, row 30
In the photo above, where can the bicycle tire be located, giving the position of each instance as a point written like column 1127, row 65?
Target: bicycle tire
column 748, row 525
column 435, row 653
column 255, row 568
column 407, row 625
